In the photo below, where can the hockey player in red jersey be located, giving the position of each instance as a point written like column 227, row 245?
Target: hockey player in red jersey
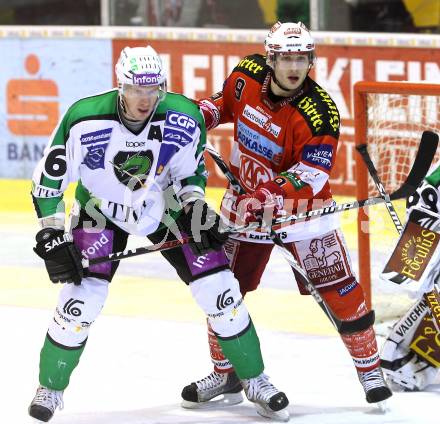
column 286, row 130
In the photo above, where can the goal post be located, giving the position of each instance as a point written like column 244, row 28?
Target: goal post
column 390, row 118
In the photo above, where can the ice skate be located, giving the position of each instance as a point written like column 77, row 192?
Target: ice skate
column 375, row 387
column 44, row 404
column 200, row 394
column 269, row 401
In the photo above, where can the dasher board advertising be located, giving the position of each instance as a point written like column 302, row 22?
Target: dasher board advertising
column 39, row 80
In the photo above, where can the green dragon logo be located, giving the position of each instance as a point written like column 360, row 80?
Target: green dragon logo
column 132, row 168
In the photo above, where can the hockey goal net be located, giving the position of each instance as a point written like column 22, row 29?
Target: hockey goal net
column 390, row 117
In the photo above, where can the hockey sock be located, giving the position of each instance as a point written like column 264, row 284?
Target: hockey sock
column 57, row 364
column 221, row 363
column 348, row 303
column 244, row 352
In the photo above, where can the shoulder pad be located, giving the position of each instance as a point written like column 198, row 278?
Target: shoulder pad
column 318, row 110
column 253, row 66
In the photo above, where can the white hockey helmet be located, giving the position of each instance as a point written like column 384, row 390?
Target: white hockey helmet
column 140, row 66
column 289, row 37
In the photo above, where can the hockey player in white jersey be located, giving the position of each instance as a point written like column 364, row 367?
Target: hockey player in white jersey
column 410, row 356
column 137, row 155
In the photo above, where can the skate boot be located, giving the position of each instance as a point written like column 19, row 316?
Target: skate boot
column 198, row 394
column 269, row 401
column 375, row 387
column 44, row 403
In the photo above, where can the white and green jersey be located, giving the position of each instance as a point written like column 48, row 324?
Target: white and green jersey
column 427, row 194
column 433, row 176
column 130, row 177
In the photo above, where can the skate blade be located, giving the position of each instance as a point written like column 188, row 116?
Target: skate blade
column 224, row 400
column 383, row 407
column 282, row 416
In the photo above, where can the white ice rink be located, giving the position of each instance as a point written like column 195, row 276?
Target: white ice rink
column 138, row 379
column 151, row 341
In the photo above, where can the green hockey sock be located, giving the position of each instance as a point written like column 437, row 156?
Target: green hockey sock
column 243, row 351
column 57, row 364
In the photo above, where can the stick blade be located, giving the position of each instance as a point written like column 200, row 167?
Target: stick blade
column 422, row 163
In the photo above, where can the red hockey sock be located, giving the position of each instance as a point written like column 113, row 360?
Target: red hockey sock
column 348, row 303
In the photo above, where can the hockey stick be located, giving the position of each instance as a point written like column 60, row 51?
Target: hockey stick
column 418, row 171
column 427, row 137
column 129, row 253
column 343, row 327
column 402, row 192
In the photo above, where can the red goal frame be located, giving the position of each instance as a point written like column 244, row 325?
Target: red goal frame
column 361, row 90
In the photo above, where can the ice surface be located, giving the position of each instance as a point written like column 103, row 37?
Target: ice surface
column 133, row 370
column 135, row 366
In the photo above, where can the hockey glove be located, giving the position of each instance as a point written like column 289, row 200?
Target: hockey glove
column 267, row 201
column 203, row 225
column 61, row 257
column 210, row 113
column 268, row 198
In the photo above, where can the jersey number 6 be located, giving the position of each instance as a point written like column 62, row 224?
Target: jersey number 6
column 55, row 165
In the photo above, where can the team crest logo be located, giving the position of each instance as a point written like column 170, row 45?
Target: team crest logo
column 96, row 143
column 132, row 168
column 94, row 158
column 253, row 172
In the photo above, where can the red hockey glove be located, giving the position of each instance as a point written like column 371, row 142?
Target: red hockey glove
column 210, row 113
column 267, row 200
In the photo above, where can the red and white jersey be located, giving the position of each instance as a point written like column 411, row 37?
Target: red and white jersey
column 276, row 134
